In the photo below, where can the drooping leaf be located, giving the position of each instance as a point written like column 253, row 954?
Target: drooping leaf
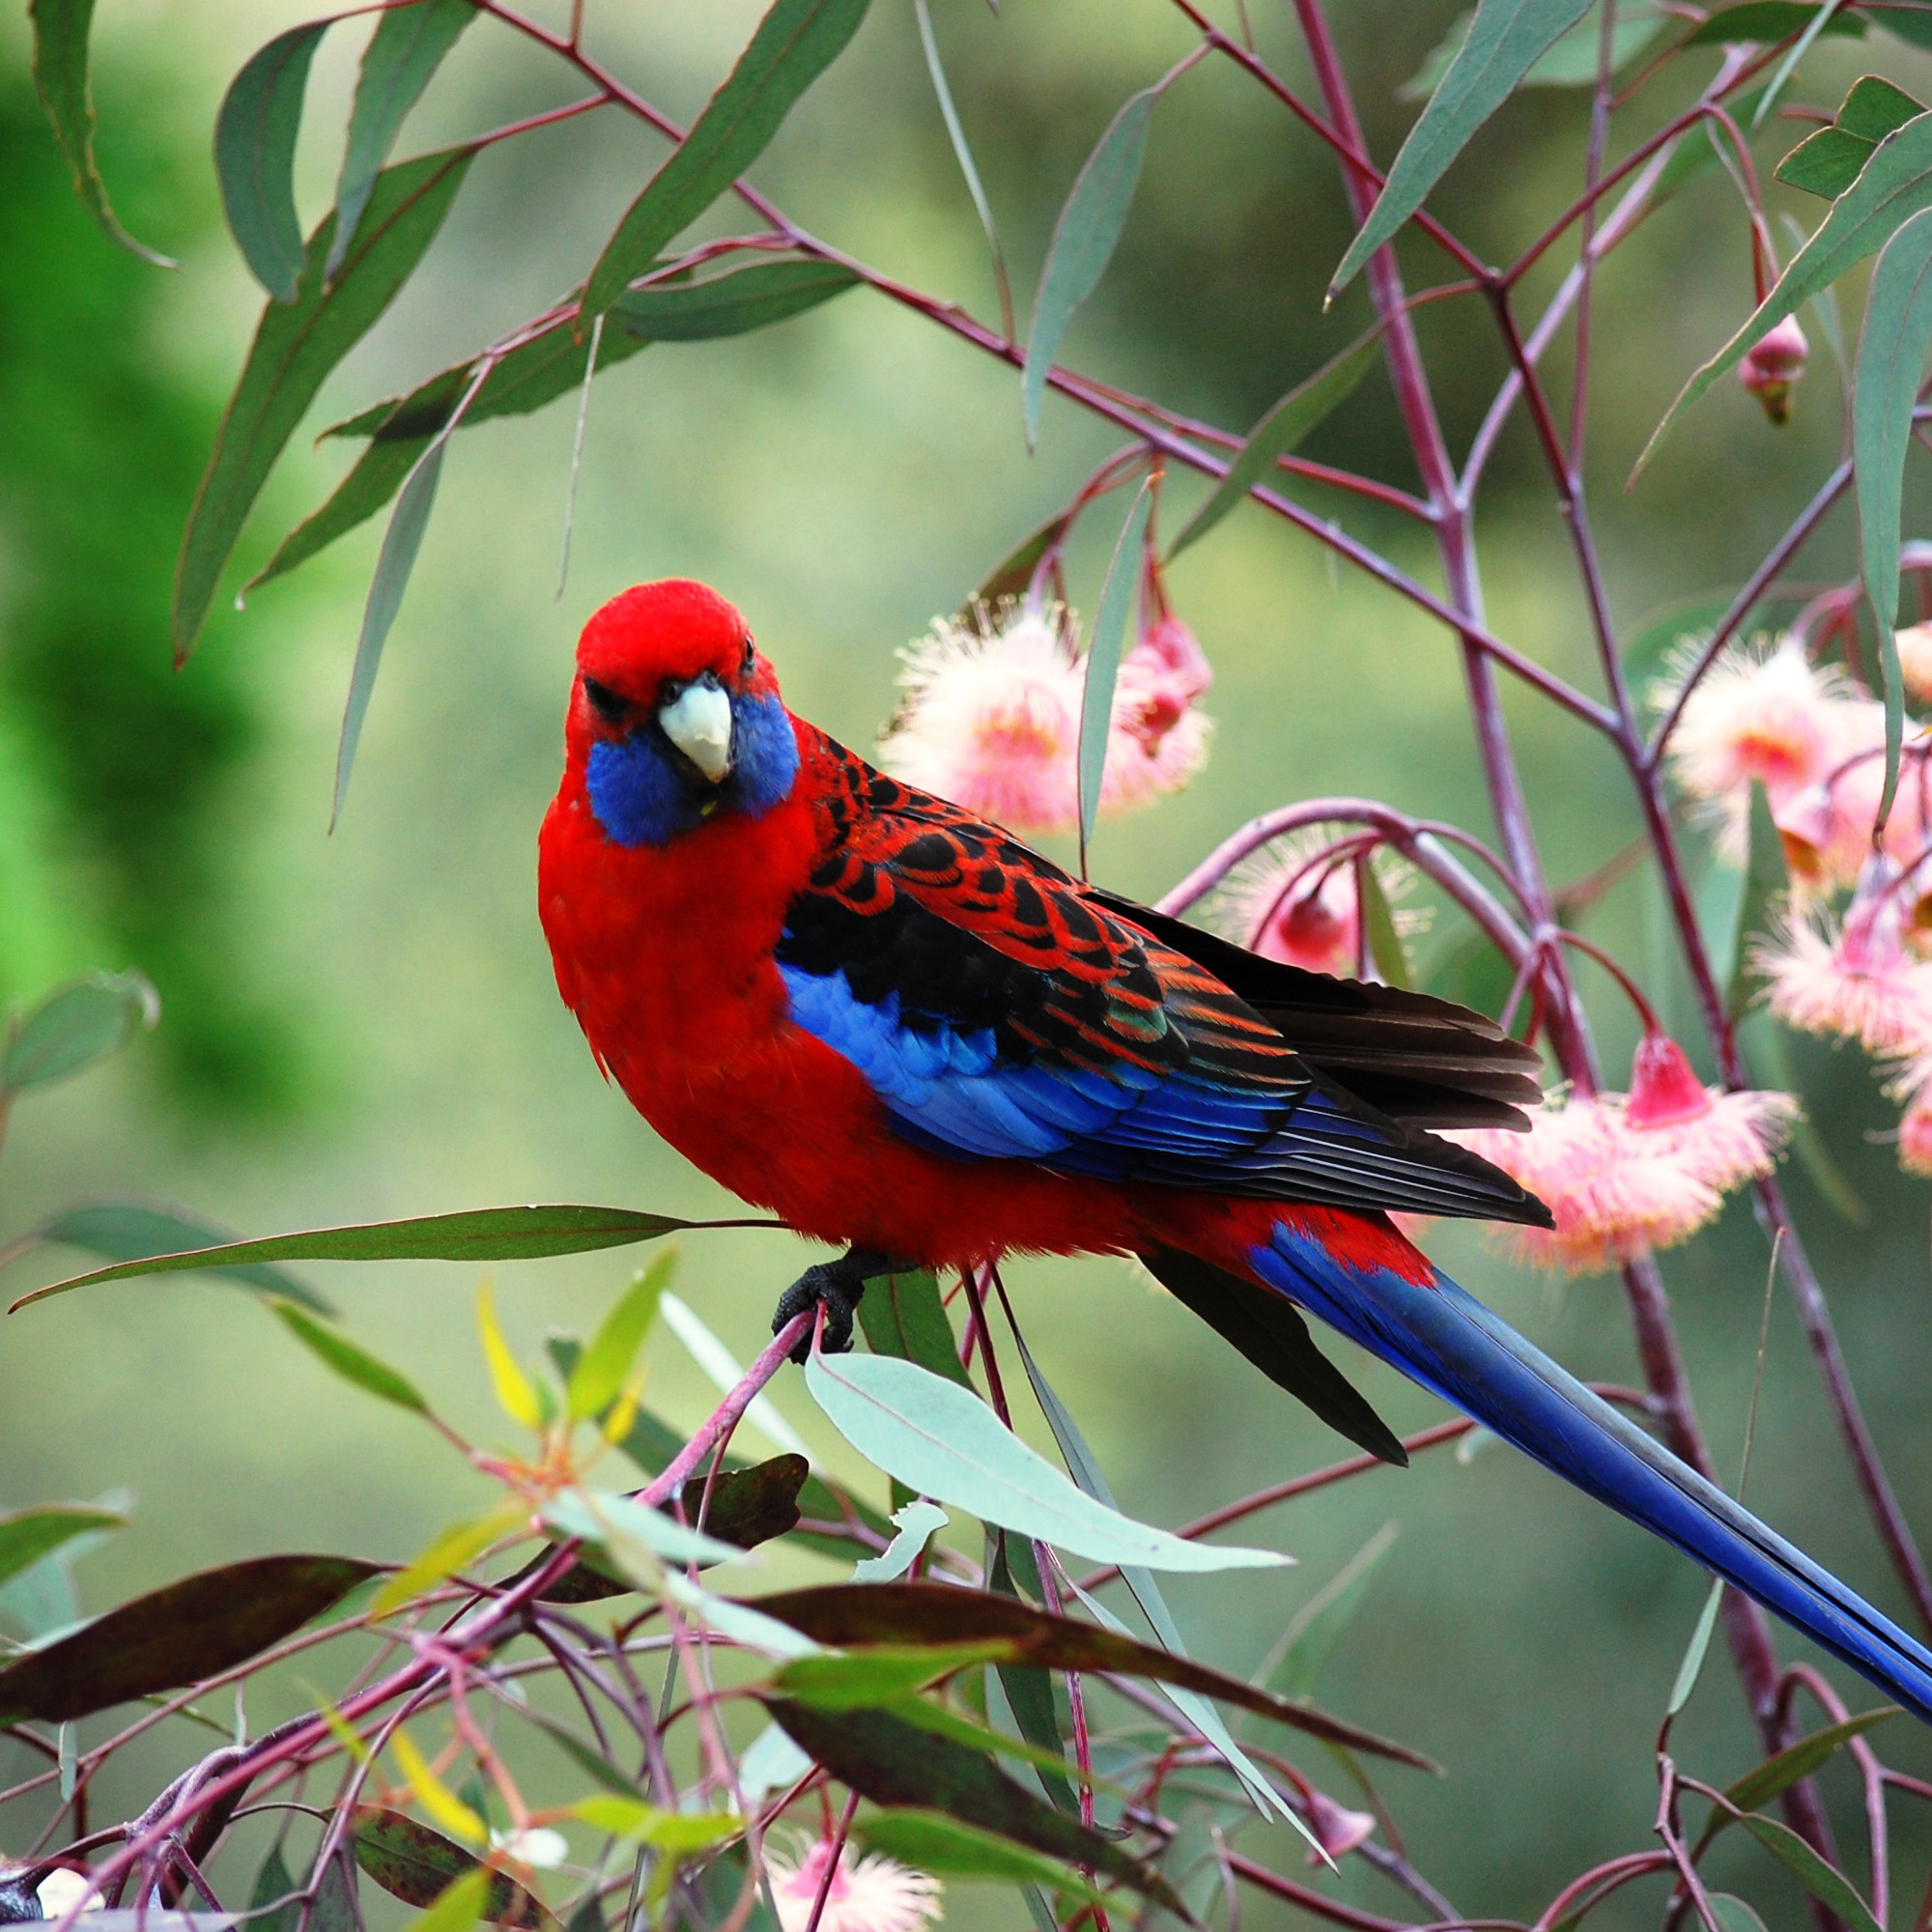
column 397, row 559
column 1695, row 151
column 1829, row 1885
column 415, row 1864
column 856, row 1614
column 549, row 365
column 942, row 1442
column 434, row 1796
column 296, row 345
column 903, row 1316
column 1571, row 61
column 900, row 1764
column 1693, row 1666
column 1831, row 159
column 1506, row 39
column 932, row 1842
column 1385, row 947
column 405, row 51
column 27, row 1535
column 350, row 1359
column 1764, row 21
column 60, row 30
column 125, row 1230
column 1310, row 1640
column 1084, row 240
column 1104, row 659
column 1298, row 413
column 1895, row 185
column 1029, row 1689
column 962, row 153
column 1884, row 387
column 516, row 1394
column 74, row 1026
column 474, row 1235
column 255, row 156
column 1779, row 1772
column 605, row 1366
column 794, row 44
column 336, row 1908
column 176, row 1635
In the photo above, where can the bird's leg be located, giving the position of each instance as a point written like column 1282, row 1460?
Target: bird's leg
column 836, row 1286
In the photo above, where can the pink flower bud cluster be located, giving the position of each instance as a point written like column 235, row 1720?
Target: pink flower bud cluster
column 1296, row 900
column 991, row 718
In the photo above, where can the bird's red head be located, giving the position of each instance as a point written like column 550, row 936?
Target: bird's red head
column 675, row 715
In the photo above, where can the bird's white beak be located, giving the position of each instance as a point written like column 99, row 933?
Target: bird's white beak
column 699, row 725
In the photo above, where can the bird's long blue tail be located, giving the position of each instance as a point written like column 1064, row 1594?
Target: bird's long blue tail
column 1440, row 1335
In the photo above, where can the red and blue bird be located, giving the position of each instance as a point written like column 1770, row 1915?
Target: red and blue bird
column 898, row 1029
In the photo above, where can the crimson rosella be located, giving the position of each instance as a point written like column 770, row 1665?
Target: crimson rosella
column 898, row 1029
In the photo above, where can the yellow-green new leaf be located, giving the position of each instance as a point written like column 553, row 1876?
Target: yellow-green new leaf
column 459, row 1906
column 516, row 1395
column 605, row 1366
column 436, row 1797
column 459, row 1545
column 353, row 1363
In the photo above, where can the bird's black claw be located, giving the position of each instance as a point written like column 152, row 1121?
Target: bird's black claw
column 836, row 1286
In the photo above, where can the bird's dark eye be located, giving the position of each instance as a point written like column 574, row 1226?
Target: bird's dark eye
column 605, row 701
column 751, row 656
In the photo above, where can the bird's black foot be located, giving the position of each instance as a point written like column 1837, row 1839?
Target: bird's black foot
column 836, row 1286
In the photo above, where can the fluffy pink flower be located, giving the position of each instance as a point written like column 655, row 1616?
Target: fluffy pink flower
column 1626, row 1174
column 873, row 1893
column 1286, row 904
column 1827, row 827
column 1858, row 983
column 1773, row 365
column 991, row 719
column 1769, row 716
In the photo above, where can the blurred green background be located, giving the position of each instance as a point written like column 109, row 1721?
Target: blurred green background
column 365, row 1025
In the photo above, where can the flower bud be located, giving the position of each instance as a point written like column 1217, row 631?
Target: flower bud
column 1772, row 366
column 1337, row 1830
column 1665, row 1090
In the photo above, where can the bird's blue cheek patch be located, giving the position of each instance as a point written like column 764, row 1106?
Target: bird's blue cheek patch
column 765, row 753
column 638, row 798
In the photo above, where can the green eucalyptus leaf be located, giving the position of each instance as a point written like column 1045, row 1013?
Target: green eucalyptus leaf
column 255, row 156
column 903, row 1316
column 350, row 1359
column 412, row 1862
column 1829, row 1885
column 932, row 1842
column 61, row 32
column 1506, row 39
column 1304, row 407
column 127, row 1230
column 1765, row 21
column 794, row 44
column 296, row 345
column 74, row 1026
column 27, row 1535
column 1084, row 240
column 403, row 54
column 1104, row 659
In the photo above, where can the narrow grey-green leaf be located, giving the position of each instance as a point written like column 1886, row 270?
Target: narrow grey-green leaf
column 295, row 346
column 350, row 1360
column 795, row 42
column 1311, row 1638
column 1693, row 1666
column 74, row 1026
column 1884, row 387
column 129, row 1230
column 1103, row 660
column 1506, row 39
column 1793, row 54
column 1896, row 183
column 536, row 372
column 962, row 153
column 474, row 1235
column 1083, row 243
column 275, row 1905
column 401, row 543
column 403, row 53
column 255, row 156
column 1572, row 58
column 61, row 29
column 29, row 1534
column 943, row 1441
column 1829, row 1885
column 1305, row 407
